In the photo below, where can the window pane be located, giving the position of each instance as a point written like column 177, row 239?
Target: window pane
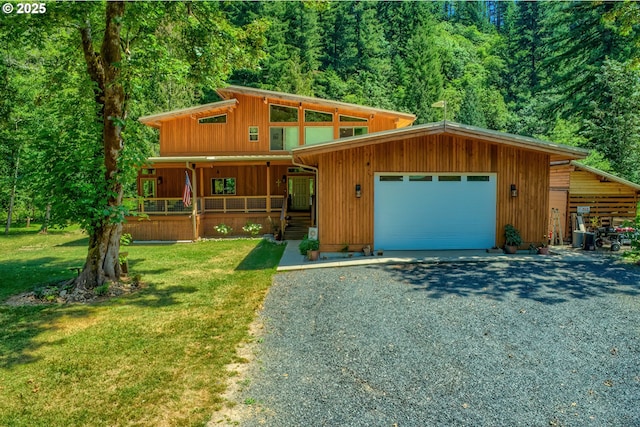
column 317, row 116
column 351, row 119
column 215, row 119
column 387, row 178
column 450, row 178
column 291, row 137
column 276, row 141
column 317, row 134
column 223, row 186
column 346, row 132
column 280, row 113
column 253, row 133
column 420, row 178
column 149, row 188
column 355, row 131
column 478, row 178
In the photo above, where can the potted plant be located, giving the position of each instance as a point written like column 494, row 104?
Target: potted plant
column 512, row 239
column 310, row 248
column 543, row 249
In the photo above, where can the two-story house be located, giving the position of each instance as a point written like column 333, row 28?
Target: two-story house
column 362, row 175
column 237, row 155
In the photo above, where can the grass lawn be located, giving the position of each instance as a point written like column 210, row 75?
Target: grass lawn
column 156, row 357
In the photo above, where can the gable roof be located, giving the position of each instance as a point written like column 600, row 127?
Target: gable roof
column 557, row 151
column 230, row 91
column 154, row 120
column 605, row 175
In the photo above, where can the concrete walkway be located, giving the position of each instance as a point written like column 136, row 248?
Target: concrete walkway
column 292, row 260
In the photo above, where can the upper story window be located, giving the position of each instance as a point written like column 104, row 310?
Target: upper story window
column 253, row 133
column 283, row 138
column 353, row 131
column 282, row 114
column 352, row 119
column 222, row 118
column 317, row 116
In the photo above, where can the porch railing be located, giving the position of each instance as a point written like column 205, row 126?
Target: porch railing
column 214, row 204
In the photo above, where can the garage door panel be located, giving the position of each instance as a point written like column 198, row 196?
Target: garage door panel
column 437, row 214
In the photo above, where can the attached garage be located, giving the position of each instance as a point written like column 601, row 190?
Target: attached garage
column 434, row 211
column 434, row 186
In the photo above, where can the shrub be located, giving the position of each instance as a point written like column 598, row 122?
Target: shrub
column 512, row 236
column 308, row 245
column 102, row 289
column 223, row 229
column 251, row 228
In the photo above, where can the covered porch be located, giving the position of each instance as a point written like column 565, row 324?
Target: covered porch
column 230, row 190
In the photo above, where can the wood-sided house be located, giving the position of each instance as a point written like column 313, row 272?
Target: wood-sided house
column 237, row 154
column 364, row 176
column 609, row 199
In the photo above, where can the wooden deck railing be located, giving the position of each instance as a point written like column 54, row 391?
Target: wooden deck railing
column 213, row 204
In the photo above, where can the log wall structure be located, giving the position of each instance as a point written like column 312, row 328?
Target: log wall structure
column 611, row 200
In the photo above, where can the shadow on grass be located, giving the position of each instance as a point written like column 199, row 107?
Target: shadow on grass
column 82, row 241
column 544, row 282
column 21, row 327
column 264, row 256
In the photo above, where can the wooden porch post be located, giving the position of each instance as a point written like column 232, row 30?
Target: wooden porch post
column 268, row 186
column 194, row 204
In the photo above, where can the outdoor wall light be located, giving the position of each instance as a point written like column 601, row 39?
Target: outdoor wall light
column 358, row 191
column 514, row 191
column 159, row 180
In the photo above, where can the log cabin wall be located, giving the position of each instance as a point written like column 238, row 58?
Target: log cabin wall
column 606, row 199
column 343, row 218
column 184, row 136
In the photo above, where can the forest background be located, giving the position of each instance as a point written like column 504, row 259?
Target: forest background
column 560, row 71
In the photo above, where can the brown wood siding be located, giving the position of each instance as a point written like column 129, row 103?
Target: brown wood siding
column 607, row 200
column 184, row 136
column 343, row 218
column 251, row 180
column 560, row 177
column 172, row 228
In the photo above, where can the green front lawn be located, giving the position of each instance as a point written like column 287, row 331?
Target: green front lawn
column 156, row 357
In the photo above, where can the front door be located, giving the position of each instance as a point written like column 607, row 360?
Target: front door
column 300, row 192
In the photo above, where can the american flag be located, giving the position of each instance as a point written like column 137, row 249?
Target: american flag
column 186, row 194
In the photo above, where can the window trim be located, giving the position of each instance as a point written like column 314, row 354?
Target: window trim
column 155, row 187
column 285, row 106
column 317, row 111
column 359, row 119
column 352, row 127
column 256, row 133
column 200, row 120
column 284, row 142
column 213, row 186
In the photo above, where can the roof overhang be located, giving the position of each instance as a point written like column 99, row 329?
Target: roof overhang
column 155, row 120
column 405, row 119
column 606, row 175
column 256, row 158
column 556, row 151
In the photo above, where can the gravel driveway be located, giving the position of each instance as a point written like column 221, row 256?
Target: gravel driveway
column 466, row 344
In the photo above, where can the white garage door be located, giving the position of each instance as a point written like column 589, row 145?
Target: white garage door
column 434, row 211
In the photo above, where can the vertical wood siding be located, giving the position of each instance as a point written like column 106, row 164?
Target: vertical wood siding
column 347, row 219
column 185, row 136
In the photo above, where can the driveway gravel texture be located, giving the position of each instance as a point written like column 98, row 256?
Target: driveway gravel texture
column 461, row 344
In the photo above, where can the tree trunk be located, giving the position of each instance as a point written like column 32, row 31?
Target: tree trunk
column 102, row 264
column 104, row 68
column 13, row 194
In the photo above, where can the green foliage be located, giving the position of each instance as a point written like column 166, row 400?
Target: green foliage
column 252, row 228
column 223, row 229
column 102, row 289
column 307, row 245
column 512, row 236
